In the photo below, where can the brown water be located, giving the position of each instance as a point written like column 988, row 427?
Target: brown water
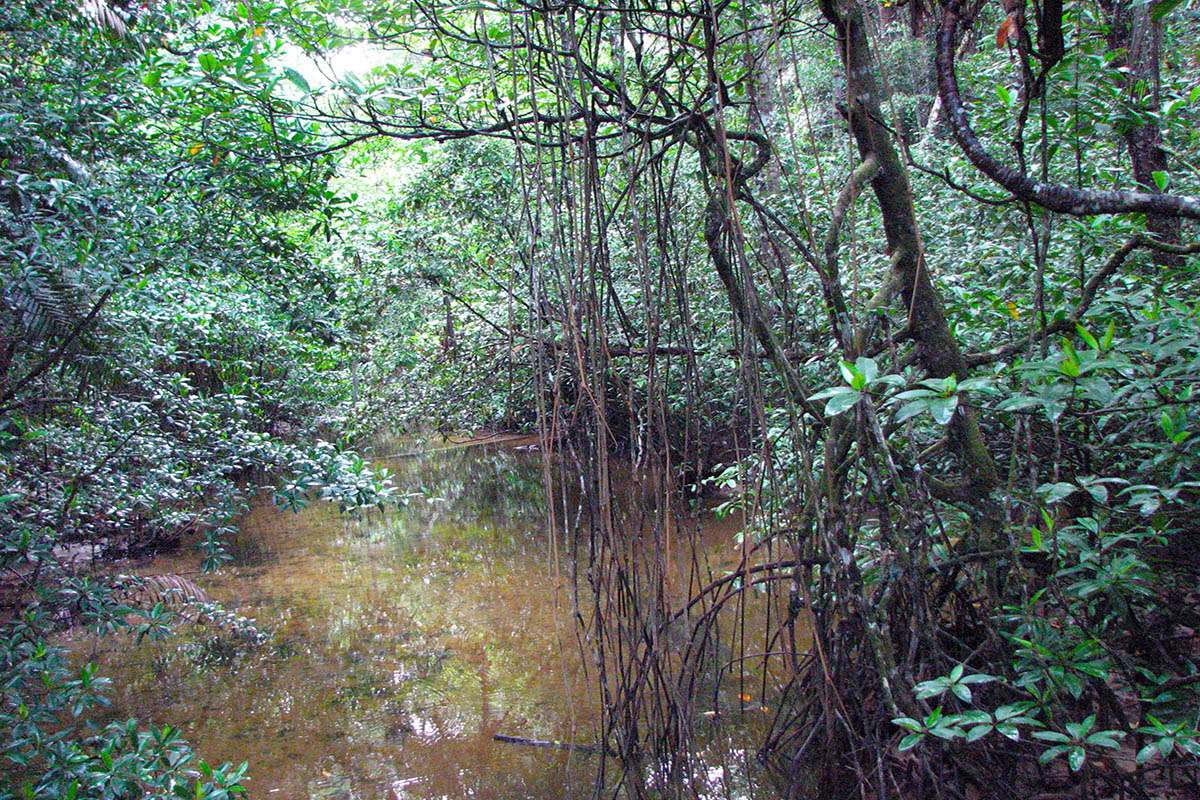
column 400, row 644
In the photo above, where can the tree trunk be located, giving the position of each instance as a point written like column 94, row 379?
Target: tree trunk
column 1133, row 31
column 449, row 346
column 937, row 350
column 762, row 96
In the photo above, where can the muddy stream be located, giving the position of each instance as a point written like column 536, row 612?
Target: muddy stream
column 397, row 646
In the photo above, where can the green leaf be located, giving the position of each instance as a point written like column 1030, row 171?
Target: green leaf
column 1077, row 729
column 1035, row 534
column 1050, row 754
column 295, row 77
column 978, row 678
column 978, row 732
column 1017, row 403
column 943, row 409
column 852, row 376
column 1076, row 758
column 867, row 367
column 353, row 83
column 1105, row 739
column 910, row 410
column 1009, row 732
column 1087, row 337
column 1160, row 180
column 980, row 384
column 1151, row 750
column 1054, row 492
column 927, row 689
column 833, row 391
column 911, row 741
column 1054, row 405
column 841, row 403
column 1164, row 7
column 1167, row 423
column 946, row 733
column 915, row 393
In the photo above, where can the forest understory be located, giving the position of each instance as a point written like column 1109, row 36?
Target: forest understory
column 913, row 286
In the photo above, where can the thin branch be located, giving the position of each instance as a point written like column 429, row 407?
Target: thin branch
column 944, row 176
column 1086, row 297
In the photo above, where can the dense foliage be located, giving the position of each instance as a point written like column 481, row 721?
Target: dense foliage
column 914, row 285
column 164, row 339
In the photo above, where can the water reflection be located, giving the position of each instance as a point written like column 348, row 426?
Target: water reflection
column 401, row 644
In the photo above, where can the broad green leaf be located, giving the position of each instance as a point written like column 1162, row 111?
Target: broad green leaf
column 977, row 678
column 833, row 391
column 981, row 384
column 852, row 376
column 867, row 368
column 1054, row 492
column 943, row 409
column 1164, row 7
column 1105, row 739
column 910, row 410
column 927, row 689
column 1087, row 337
column 295, row 77
column 1017, row 403
column 978, row 732
column 946, row 733
column 1054, row 404
column 1151, row 750
column 1035, row 535
column 841, row 403
column 911, row 393
column 1009, row 732
column 1109, row 333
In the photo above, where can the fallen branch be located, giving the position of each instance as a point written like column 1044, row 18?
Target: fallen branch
column 571, row 746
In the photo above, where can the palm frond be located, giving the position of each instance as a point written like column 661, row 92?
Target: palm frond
column 173, row 591
column 100, row 13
